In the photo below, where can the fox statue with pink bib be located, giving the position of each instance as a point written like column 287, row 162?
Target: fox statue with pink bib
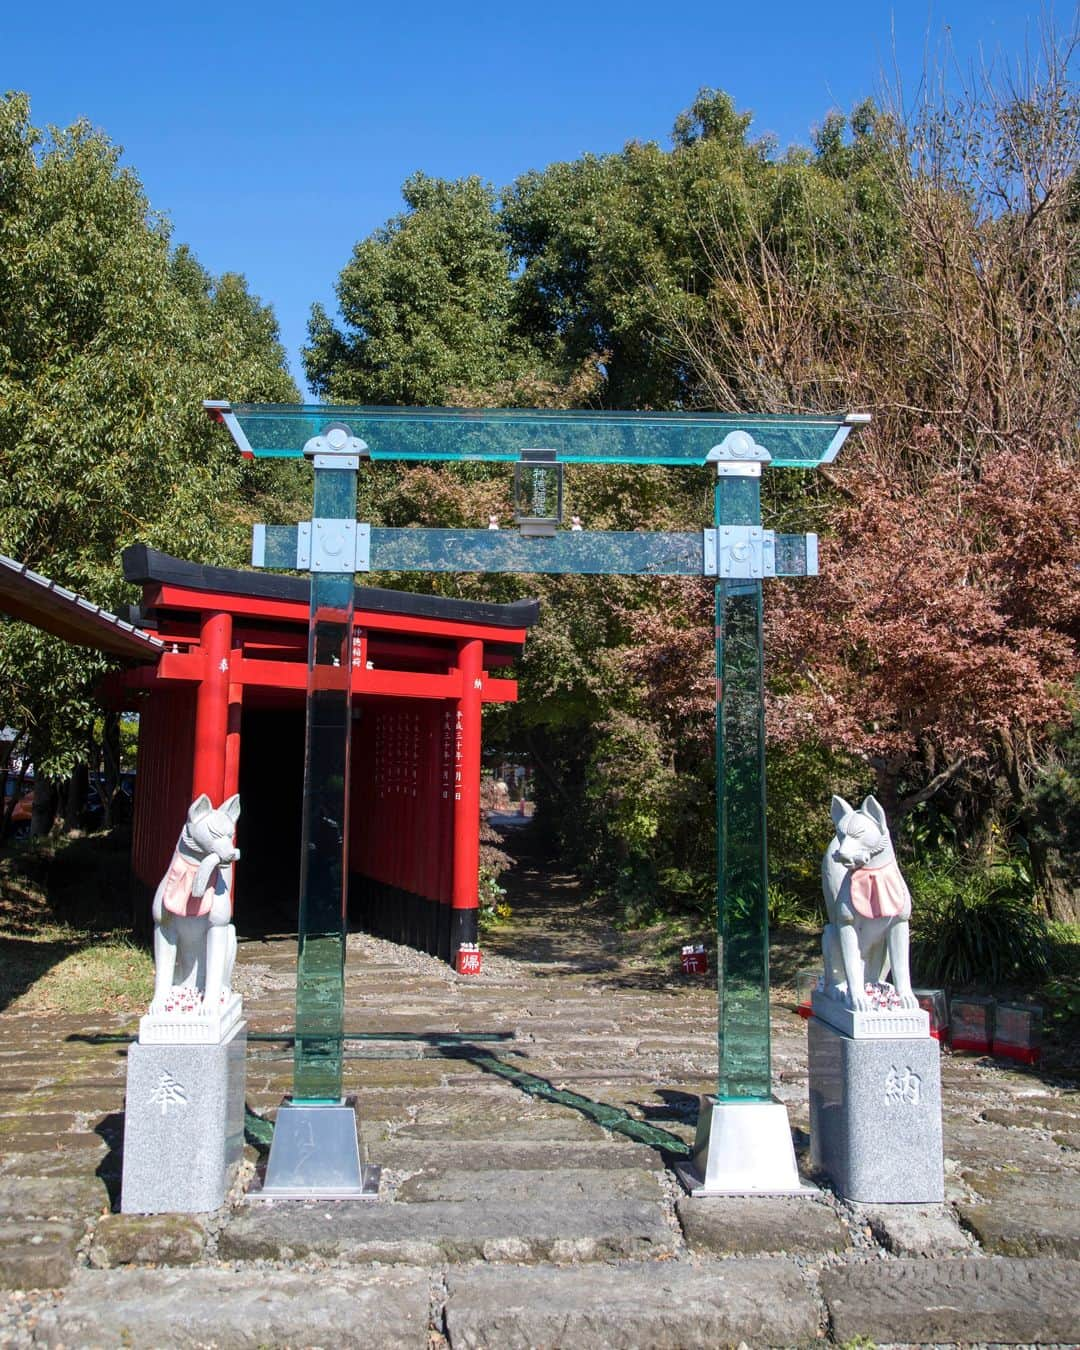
column 869, row 905
column 194, row 939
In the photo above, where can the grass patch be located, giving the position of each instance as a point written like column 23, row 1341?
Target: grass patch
column 65, row 937
column 104, row 973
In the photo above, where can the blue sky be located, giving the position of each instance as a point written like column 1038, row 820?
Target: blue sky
column 276, row 135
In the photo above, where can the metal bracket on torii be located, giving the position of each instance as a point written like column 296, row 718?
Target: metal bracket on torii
column 743, row 1143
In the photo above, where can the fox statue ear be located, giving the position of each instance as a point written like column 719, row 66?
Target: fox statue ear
column 199, row 807
column 231, row 807
column 839, row 809
column 874, row 809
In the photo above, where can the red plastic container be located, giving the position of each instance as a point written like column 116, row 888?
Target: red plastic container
column 695, row 960
column 934, row 1002
column 1018, row 1032
column 468, row 959
column 971, row 1023
column 806, row 981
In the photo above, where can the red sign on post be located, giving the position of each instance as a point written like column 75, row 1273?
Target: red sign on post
column 468, row 959
column 695, row 960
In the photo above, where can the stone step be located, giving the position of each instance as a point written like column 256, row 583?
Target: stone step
column 679, row 1307
column 495, row 1154
column 984, row 1145
column 915, row 1230
column 1024, row 1214
column 565, row 1129
column 228, row 1309
column 51, row 1197
column 493, row 1097
column 727, row 1225
column 958, row 1300
column 527, row 1187
column 38, row 1254
column 589, row 1229
column 147, row 1239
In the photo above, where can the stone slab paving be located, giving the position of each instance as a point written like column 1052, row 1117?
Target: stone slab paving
column 508, row 1215
column 915, row 1230
column 38, row 1253
column 1019, row 1213
column 51, row 1198
column 410, row 1155
column 560, row 1129
column 727, row 1226
column 759, row 1303
column 147, row 1239
column 523, row 1187
column 555, row 1225
column 931, row 1302
column 228, row 1309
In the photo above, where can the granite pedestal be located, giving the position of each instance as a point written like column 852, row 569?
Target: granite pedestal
column 183, row 1125
column 875, row 1116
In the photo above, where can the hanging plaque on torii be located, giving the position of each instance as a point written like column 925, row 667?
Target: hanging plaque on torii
column 744, row 1142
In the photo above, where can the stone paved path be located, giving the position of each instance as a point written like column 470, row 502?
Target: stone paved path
column 514, row 1214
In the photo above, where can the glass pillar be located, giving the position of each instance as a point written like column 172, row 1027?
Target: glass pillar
column 324, row 873
column 742, row 881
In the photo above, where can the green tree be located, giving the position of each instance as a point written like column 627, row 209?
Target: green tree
column 425, row 302
column 599, row 241
column 109, row 341
column 596, row 271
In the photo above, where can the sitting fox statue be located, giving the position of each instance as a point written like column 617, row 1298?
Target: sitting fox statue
column 868, row 904
column 194, row 939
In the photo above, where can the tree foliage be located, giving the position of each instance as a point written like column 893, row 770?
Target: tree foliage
column 110, row 338
column 425, row 300
column 941, row 642
column 922, row 267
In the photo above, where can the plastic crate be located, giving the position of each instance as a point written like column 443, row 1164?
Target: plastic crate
column 971, row 1023
column 1018, row 1032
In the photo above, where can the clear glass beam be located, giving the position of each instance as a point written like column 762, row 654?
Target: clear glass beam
column 282, row 430
column 581, row 552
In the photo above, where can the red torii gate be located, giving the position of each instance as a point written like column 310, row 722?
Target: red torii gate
column 236, row 647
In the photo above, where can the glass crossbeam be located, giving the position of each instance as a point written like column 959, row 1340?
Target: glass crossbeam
column 282, row 430
column 581, row 552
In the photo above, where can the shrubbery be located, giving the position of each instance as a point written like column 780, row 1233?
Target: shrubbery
column 976, row 924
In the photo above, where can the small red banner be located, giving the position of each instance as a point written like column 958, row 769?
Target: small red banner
column 695, row 960
column 468, row 960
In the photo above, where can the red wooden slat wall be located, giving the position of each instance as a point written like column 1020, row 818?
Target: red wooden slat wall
column 162, row 795
column 401, row 817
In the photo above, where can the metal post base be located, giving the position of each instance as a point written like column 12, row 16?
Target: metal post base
column 743, row 1148
column 315, row 1155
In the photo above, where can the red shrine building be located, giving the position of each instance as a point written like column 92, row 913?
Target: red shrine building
column 221, row 710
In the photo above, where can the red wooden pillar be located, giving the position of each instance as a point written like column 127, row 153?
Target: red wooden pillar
column 463, row 918
column 212, row 707
column 232, row 736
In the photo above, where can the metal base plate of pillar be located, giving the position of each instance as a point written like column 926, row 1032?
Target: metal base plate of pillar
column 743, row 1148
column 315, row 1155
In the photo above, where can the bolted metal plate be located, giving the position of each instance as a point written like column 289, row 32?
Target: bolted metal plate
column 744, row 552
column 303, row 546
column 333, row 545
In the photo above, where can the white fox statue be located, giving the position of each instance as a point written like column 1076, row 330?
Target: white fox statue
column 194, row 939
column 868, row 904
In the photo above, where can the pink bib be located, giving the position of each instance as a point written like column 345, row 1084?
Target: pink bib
column 178, row 883
column 878, row 892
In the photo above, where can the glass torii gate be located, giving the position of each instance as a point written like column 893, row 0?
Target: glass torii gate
column 743, row 1142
